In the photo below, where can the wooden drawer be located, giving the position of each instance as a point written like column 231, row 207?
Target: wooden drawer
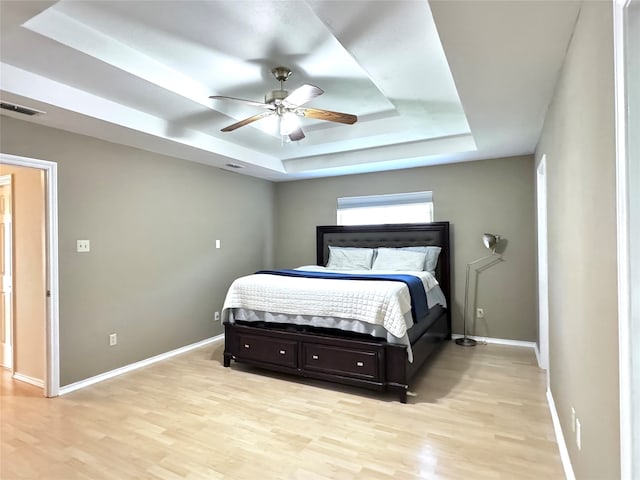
column 268, row 349
column 342, row 361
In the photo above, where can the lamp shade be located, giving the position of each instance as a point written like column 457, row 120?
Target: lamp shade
column 490, row 241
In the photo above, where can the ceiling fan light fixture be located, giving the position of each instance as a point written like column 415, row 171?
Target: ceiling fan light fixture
column 288, row 123
column 287, row 107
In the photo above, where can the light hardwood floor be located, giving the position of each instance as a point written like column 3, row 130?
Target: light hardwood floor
column 477, row 413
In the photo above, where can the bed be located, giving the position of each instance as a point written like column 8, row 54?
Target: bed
column 346, row 348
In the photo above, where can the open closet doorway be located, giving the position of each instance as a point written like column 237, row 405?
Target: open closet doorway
column 35, row 355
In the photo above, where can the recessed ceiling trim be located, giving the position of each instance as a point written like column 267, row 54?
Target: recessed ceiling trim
column 398, row 153
column 64, row 29
column 29, row 85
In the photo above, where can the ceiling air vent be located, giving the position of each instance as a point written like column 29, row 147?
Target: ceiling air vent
column 20, row 109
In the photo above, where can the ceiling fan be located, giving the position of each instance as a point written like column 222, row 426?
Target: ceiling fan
column 288, row 106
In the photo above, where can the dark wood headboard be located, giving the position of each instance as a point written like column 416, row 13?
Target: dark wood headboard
column 389, row 235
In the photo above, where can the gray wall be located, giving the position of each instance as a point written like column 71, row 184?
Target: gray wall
column 153, row 275
column 578, row 139
column 495, row 196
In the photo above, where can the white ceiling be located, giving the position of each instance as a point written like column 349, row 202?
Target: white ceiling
column 431, row 82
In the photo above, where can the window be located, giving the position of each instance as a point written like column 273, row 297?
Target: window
column 414, row 207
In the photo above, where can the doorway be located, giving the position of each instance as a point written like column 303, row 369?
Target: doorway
column 6, row 272
column 543, row 266
column 48, row 176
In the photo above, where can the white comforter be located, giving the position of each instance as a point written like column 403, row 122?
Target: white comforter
column 382, row 303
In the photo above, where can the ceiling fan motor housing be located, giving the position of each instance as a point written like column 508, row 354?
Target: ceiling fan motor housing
column 276, row 96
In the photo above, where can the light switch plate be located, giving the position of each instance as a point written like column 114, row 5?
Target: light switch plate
column 83, row 246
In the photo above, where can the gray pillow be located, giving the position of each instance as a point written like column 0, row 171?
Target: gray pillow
column 431, row 256
column 350, row 258
column 399, row 259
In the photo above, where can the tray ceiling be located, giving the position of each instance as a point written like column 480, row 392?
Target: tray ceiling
column 430, row 82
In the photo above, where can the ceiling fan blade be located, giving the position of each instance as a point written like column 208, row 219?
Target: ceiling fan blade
column 246, row 102
column 296, row 135
column 247, row 121
column 329, row 115
column 303, row 94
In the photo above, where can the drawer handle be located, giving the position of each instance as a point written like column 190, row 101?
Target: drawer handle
column 246, row 345
column 282, row 352
column 315, row 357
column 359, row 364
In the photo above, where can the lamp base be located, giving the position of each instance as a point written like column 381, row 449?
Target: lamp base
column 466, row 342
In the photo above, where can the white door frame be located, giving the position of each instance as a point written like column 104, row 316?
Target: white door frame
column 543, row 266
column 52, row 368
column 627, row 104
column 7, row 353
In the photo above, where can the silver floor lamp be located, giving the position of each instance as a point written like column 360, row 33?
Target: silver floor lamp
column 490, row 241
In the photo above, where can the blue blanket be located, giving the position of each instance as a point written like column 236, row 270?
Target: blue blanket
column 416, row 288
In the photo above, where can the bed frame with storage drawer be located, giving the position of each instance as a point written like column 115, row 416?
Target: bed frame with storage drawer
column 346, row 357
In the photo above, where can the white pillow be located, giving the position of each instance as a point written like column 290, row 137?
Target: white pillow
column 431, row 256
column 350, row 258
column 399, row 259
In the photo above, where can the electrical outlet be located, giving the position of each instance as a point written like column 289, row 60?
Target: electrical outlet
column 83, row 246
column 573, row 419
column 480, row 313
column 216, row 316
column 578, row 434
column 113, row 339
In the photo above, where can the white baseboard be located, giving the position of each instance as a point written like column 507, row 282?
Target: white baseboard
column 30, row 380
column 134, row 366
column 537, row 350
column 499, row 341
column 562, row 445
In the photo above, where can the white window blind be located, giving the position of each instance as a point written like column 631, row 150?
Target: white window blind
column 412, row 207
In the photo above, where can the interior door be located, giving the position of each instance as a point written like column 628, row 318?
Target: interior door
column 6, row 270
